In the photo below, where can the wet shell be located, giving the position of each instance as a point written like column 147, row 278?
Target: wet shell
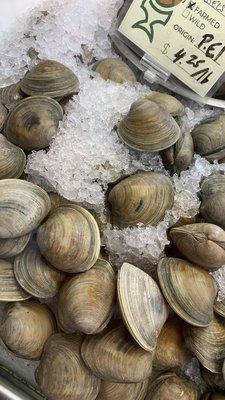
column 12, row 159
column 26, row 327
column 115, row 70
column 148, row 127
column 81, row 247
column 208, row 344
column 33, row 122
column 9, row 288
column 10, row 95
column 170, row 103
column 114, row 356
column 213, row 396
column 62, row 373
column 142, row 305
column 122, row 391
column 213, row 199
column 203, row 244
column 86, row 301
column 50, row 78
column 141, row 198
column 189, row 290
column 12, row 247
column 35, row 275
column 23, row 206
column 3, row 116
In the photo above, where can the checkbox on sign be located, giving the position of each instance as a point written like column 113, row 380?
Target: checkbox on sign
column 186, row 13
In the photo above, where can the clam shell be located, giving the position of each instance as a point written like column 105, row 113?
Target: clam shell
column 141, row 198
column 213, row 396
column 26, row 327
column 148, row 127
column 12, row 159
column 62, row 374
column 81, row 247
column 50, row 78
column 11, row 247
column 213, row 199
column 23, row 206
column 214, row 381
column 124, row 391
column 57, row 201
column 189, row 290
column 114, row 356
column 115, row 70
column 219, row 307
column 35, row 275
column 10, row 95
column 33, row 122
column 202, row 244
column 9, row 288
column 142, row 305
column 170, row 103
column 3, row 116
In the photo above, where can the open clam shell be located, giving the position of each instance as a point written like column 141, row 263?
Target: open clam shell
column 62, row 373
column 189, row 290
column 170, row 103
column 114, row 356
column 115, row 70
column 12, row 159
column 10, row 95
column 11, row 247
column 3, row 116
column 213, row 199
column 9, row 288
column 50, row 78
column 23, row 206
column 142, row 305
column 141, row 198
column 124, row 391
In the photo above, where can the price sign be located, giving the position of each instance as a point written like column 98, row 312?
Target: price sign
column 185, row 36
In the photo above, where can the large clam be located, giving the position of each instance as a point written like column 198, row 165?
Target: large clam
column 3, row 116
column 141, row 198
column 213, row 199
column 9, row 288
column 12, row 159
column 10, row 95
column 62, row 373
column 70, row 239
column 122, row 391
column 189, row 290
column 115, row 70
column 170, row 103
column 11, row 247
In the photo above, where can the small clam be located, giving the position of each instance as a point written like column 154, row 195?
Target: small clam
column 170, row 103
column 142, row 305
column 213, row 396
column 115, row 70
column 213, row 199
column 9, row 288
column 70, row 239
column 25, row 328
column 12, row 159
column 50, row 78
column 12, row 247
column 33, row 122
column 202, row 244
column 208, row 344
column 122, row 391
column 3, row 116
column 23, row 206
column 148, row 127
column 114, row 356
column 35, row 275
column 10, row 95
column 141, row 198
column 86, row 301
column 62, row 373
column 189, row 290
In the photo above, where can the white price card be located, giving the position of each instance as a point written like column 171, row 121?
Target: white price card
column 187, row 37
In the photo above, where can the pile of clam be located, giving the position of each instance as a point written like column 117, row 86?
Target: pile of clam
column 115, row 334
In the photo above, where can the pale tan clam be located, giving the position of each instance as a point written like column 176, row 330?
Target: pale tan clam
column 57, row 201
column 25, row 328
column 35, row 275
column 213, row 199
column 3, row 116
column 12, row 247
column 10, row 95
column 115, row 70
column 114, row 356
column 141, row 198
column 208, row 344
column 86, row 301
column 213, row 396
column 50, row 78
column 142, row 305
column 62, row 373
column 12, row 159
column 170, row 103
column 33, row 122
column 9, row 288
column 189, row 290
column 23, row 206
column 148, row 127
column 70, row 239
column 202, row 244
column 122, row 391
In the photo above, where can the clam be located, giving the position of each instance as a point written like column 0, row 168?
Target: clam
column 9, row 288
column 208, row 344
column 213, row 199
column 3, row 116
column 62, row 373
column 213, row 396
column 23, row 206
column 86, row 301
column 170, row 103
column 141, row 198
column 50, row 78
column 189, row 290
column 115, row 70
column 219, row 307
column 114, row 356
column 122, row 391
column 12, row 159
column 212, row 380
column 33, row 122
column 142, row 305
column 25, row 328
column 10, row 95
column 70, row 239
column 171, row 351
column 148, row 127
column 35, row 275
column 12, row 247
column 202, row 244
